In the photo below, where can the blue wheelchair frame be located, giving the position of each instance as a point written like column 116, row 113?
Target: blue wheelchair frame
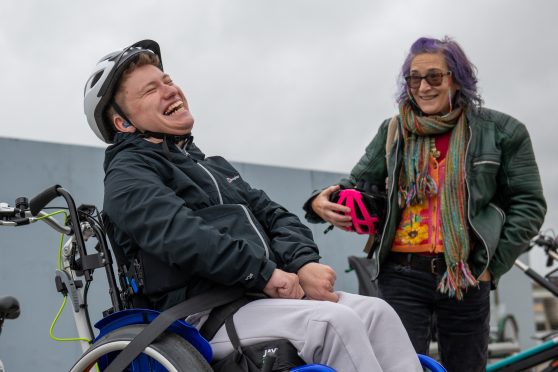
column 181, row 328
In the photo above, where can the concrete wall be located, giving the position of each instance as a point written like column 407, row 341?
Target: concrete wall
column 28, row 254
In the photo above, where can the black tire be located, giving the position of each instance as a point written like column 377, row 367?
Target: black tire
column 168, row 349
column 508, row 330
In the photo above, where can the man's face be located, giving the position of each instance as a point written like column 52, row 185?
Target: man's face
column 154, row 103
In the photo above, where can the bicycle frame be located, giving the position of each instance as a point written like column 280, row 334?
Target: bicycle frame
column 67, row 276
column 548, row 350
column 527, row 358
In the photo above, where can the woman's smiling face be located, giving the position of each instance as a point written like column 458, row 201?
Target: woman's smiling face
column 432, row 100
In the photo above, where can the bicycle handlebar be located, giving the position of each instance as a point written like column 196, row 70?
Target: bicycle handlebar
column 40, row 201
column 41, row 216
column 550, row 245
column 546, row 241
column 541, row 280
column 79, row 224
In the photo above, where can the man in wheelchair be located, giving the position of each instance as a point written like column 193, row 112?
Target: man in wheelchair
column 189, row 223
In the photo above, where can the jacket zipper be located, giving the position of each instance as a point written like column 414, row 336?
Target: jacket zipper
column 214, row 181
column 469, row 205
column 255, row 229
column 388, row 204
column 241, row 206
column 208, row 172
column 485, row 162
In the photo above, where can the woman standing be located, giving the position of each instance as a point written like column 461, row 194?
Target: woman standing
column 464, row 199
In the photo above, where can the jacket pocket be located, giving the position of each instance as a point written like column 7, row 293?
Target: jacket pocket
column 499, row 210
column 486, row 164
column 488, row 225
column 482, row 180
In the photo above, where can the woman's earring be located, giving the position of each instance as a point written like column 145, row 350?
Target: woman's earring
column 410, row 96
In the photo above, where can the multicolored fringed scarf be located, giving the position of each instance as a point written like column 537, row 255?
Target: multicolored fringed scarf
column 416, row 184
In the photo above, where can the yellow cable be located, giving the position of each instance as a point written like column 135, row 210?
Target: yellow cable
column 52, row 336
column 59, row 260
column 52, row 214
column 59, row 265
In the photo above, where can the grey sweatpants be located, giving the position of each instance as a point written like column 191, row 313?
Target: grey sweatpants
column 358, row 333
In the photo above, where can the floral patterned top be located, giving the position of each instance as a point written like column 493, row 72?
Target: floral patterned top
column 420, row 228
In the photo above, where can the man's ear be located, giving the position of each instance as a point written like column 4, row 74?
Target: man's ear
column 122, row 125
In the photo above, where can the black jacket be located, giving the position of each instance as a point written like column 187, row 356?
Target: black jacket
column 196, row 218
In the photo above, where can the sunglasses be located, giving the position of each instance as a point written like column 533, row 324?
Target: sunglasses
column 433, row 78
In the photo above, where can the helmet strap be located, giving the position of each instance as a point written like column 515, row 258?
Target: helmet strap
column 120, row 112
column 165, row 136
column 146, row 134
column 166, row 139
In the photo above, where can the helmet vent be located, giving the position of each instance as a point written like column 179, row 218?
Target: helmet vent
column 367, row 210
column 96, row 78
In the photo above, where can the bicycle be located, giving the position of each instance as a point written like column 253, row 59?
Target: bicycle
column 180, row 347
column 544, row 355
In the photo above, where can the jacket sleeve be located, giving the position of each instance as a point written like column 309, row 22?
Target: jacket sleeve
column 522, row 198
column 291, row 241
column 369, row 170
column 372, row 167
column 157, row 220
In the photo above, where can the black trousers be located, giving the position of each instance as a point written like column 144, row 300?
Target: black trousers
column 462, row 325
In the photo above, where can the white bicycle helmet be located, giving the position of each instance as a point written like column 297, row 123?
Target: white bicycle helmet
column 100, row 87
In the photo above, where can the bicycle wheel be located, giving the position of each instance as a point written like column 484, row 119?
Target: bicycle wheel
column 508, row 329
column 169, row 352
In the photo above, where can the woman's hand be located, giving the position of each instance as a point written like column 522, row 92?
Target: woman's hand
column 331, row 212
column 485, row 276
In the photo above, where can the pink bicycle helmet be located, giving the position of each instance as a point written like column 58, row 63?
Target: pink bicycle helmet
column 366, row 210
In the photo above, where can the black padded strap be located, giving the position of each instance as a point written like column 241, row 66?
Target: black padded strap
column 233, row 336
column 218, row 316
column 205, row 301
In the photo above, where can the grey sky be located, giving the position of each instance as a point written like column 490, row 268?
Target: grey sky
column 296, row 83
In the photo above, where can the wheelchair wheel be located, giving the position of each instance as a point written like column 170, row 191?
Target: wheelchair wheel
column 169, row 352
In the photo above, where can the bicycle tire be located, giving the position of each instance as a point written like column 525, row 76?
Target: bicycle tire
column 508, row 330
column 170, row 352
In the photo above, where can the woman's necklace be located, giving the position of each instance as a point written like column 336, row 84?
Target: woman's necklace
column 433, row 150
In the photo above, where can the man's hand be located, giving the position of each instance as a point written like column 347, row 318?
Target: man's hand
column 318, row 280
column 331, row 212
column 283, row 285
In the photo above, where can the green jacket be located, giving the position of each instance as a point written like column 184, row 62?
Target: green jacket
column 506, row 206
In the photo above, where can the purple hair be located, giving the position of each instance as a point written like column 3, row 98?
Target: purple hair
column 464, row 73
